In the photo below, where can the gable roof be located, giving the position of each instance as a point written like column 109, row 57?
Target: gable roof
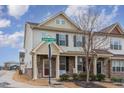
column 60, row 13
column 41, row 43
column 110, row 28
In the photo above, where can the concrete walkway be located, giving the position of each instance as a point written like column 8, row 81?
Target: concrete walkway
column 6, row 81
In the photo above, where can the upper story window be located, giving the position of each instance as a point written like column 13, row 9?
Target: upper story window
column 116, row 45
column 60, row 21
column 62, row 39
column 79, row 41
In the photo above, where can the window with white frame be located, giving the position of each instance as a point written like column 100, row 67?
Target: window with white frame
column 81, row 65
column 62, row 63
column 60, row 21
column 118, row 65
column 78, row 41
column 116, row 45
column 62, row 40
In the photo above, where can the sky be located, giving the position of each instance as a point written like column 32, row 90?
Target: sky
column 13, row 19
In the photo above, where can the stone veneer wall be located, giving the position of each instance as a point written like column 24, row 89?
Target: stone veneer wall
column 28, row 72
column 71, row 64
column 40, row 66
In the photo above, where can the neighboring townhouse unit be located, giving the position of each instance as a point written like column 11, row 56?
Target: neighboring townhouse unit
column 67, row 53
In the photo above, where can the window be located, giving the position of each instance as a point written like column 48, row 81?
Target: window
column 118, row 65
column 116, row 45
column 63, row 22
column 62, row 63
column 79, row 41
column 60, row 21
column 81, row 65
column 62, row 40
column 57, row 21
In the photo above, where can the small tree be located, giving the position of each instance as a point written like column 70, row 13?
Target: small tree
column 89, row 23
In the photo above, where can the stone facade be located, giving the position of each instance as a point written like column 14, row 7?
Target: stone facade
column 40, row 66
column 28, row 72
column 71, row 64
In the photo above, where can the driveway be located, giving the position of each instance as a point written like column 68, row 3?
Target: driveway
column 6, row 81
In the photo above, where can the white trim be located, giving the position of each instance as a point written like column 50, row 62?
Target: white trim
column 60, row 13
column 44, row 70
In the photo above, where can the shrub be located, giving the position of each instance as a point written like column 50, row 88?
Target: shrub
column 100, row 77
column 64, row 77
column 75, row 76
column 93, row 77
column 82, row 76
column 117, row 79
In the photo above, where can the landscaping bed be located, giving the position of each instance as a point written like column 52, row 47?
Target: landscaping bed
column 89, row 85
column 26, row 79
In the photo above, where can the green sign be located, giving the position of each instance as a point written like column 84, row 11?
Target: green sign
column 49, row 40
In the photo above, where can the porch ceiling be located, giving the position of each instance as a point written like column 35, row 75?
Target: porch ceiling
column 73, row 53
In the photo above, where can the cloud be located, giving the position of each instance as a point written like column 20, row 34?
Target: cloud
column 105, row 18
column 14, row 40
column 17, row 10
column 74, row 10
column 4, row 23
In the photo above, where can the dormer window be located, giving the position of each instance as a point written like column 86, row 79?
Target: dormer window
column 60, row 21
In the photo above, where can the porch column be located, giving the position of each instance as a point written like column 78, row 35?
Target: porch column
column 35, row 72
column 76, row 64
column 95, row 66
column 57, row 67
column 105, row 67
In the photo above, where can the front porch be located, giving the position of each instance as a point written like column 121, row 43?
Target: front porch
column 68, row 62
column 68, row 65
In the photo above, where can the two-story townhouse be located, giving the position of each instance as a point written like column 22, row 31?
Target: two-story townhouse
column 67, row 53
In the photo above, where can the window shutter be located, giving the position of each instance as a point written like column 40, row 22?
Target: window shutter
column 83, row 41
column 66, row 40
column 57, row 39
column 74, row 40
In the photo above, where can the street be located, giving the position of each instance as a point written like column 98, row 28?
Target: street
column 6, row 81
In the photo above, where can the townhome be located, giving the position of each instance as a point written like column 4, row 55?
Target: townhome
column 67, row 51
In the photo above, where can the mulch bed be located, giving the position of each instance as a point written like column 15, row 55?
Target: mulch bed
column 88, row 85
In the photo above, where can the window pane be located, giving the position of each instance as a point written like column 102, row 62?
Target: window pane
column 122, row 68
column 62, row 40
column 62, row 22
column 116, row 47
column 115, row 44
column 79, row 67
column 62, row 63
column 62, row 67
column 78, row 41
column 114, row 69
column 57, row 21
column 118, row 69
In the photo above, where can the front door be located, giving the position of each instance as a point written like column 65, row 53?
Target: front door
column 45, row 68
column 98, row 67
